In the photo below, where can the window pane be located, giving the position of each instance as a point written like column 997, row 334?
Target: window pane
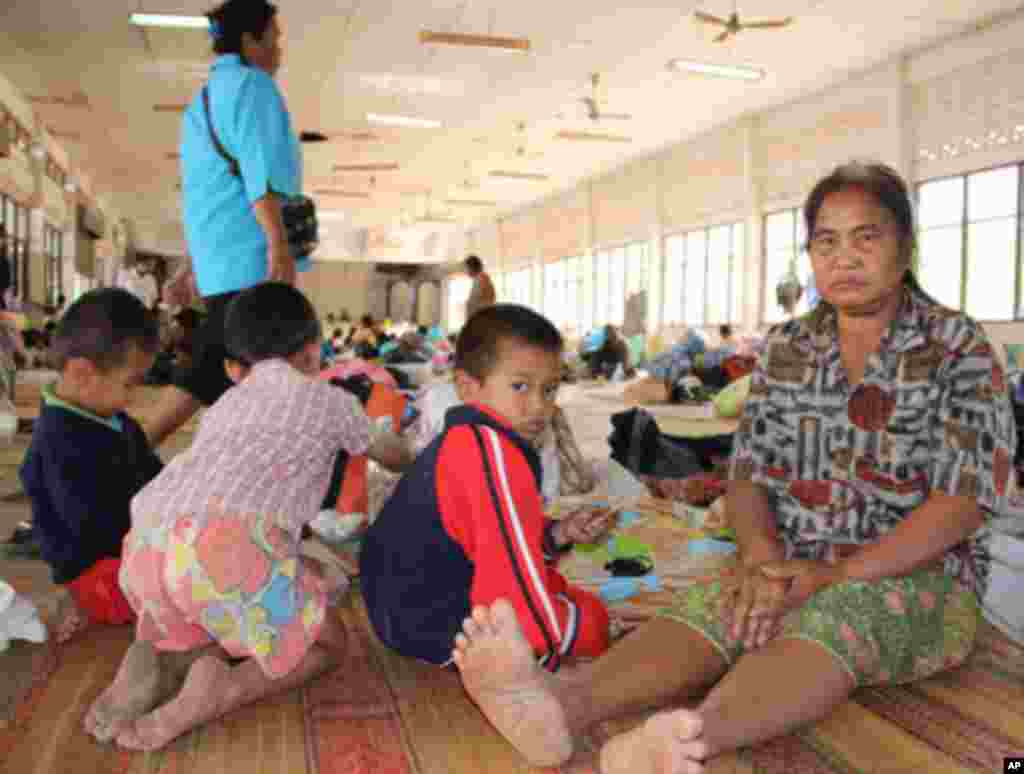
column 779, row 230
column 617, row 287
column 719, row 254
column 780, row 247
column 739, row 254
column 941, row 202
column 636, row 268
column 572, row 296
column 695, row 273
column 601, row 283
column 674, row 279
column 587, row 292
column 991, row 249
column 992, row 194
column 939, row 268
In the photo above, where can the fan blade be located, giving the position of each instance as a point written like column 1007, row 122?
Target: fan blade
column 709, row 19
column 767, row 24
column 723, row 36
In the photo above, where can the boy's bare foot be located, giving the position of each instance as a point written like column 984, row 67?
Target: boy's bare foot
column 667, row 743
column 501, row 674
column 136, row 690
column 69, row 620
column 200, row 700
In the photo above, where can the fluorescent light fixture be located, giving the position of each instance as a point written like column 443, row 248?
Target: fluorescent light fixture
column 566, row 134
column 480, row 41
column 503, row 174
column 169, row 20
column 332, row 215
column 396, row 120
column 342, row 194
column 470, row 203
column 737, row 72
column 380, row 167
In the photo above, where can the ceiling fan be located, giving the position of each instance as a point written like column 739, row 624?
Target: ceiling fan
column 592, row 104
column 733, row 25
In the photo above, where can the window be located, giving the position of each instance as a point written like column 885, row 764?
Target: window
column 784, row 241
column 458, row 294
column 53, row 249
column 619, row 272
column 968, row 242
column 517, row 286
column 14, row 219
column 562, row 289
column 703, row 285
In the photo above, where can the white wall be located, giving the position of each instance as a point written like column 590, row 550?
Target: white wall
column 333, row 286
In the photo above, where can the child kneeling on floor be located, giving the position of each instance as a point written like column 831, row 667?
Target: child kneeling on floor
column 466, row 524
column 88, row 458
column 212, row 564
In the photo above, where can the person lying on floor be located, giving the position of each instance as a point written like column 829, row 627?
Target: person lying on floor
column 466, row 524
column 88, row 458
column 876, row 445
column 211, row 565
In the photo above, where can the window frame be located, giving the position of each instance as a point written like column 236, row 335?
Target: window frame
column 735, row 316
column 964, row 224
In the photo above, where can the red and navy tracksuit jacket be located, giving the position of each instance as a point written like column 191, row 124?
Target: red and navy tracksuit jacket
column 466, row 527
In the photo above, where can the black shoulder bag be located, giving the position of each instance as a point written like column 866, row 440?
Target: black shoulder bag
column 297, row 212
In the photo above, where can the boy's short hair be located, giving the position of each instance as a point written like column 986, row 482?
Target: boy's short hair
column 102, row 326
column 478, row 347
column 269, row 320
column 725, row 331
column 473, row 264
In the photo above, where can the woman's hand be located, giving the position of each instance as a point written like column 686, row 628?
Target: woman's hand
column 758, row 605
column 585, row 527
column 803, row 578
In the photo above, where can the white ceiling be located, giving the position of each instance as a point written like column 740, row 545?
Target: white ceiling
column 345, row 58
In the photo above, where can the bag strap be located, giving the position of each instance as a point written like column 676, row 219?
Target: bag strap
column 233, row 167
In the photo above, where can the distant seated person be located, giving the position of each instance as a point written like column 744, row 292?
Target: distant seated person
column 337, row 341
column 605, row 353
column 466, row 525
column 364, row 338
column 88, row 458
column 412, row 348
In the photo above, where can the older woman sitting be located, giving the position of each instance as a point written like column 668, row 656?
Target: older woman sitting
column 874, row 448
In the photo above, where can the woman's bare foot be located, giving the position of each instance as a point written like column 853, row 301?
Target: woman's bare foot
column 667, row 743
column 136, row 690
column 69, row 620
column 501, row 674
column 199, row 701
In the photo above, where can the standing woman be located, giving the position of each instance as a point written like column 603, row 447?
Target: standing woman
column 233, row 222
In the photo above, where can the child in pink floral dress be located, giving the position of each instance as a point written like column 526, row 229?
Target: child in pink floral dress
column 211, row 565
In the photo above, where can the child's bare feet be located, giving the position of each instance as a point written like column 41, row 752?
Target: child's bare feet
column 69, row 620
column 667, row 743
column 135, row 691
column 200, row 700
column 500, row 673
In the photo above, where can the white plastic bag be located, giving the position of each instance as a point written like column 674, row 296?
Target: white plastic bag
column 19, row 619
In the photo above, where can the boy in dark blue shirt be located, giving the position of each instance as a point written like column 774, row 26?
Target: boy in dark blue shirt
column 88, row 458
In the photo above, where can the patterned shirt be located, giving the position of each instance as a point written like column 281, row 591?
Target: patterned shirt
column 844, row 464
column 266, row 447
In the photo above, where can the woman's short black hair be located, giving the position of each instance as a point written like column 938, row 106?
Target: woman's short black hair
column 229, row 20
column 102, row 326
column 880, row 181
column 270, row 320
column 366, row 321
column 478, row 347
